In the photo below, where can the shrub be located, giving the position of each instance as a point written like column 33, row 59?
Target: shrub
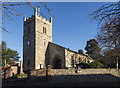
column 96, row 64
column 19, row 75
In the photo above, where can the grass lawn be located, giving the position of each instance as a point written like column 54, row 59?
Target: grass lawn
column 19, row 75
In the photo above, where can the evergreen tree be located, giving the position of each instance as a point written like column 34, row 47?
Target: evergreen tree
column 9, row 56
column 92, row 49
column 80, row 51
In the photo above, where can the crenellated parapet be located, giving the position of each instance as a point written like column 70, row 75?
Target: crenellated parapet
column 29, row 18
column 38, row 16
column 44, row 19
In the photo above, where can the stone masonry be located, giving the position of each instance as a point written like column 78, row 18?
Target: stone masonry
column 35, row 42
column 39, row 51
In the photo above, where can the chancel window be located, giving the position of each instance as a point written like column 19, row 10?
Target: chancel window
column 72, row 61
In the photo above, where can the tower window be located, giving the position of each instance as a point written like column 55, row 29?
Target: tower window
column 28, row 43
column 44, row 30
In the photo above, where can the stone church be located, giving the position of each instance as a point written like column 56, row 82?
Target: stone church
column 40, row 51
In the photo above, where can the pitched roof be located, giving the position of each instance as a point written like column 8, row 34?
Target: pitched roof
column 71, row 50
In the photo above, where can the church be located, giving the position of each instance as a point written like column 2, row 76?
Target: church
column 40, row 51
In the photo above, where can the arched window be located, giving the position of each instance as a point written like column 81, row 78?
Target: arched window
column 72, row 61
column 44, row 30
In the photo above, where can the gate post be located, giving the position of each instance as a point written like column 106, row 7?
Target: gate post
column 48, row 70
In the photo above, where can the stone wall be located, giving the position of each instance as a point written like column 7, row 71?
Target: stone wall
column 114, row 72
column 14, row 69
column 41, row 72
column 68, row 76
column 7, row 73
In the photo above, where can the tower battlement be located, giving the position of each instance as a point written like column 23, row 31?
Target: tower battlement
column 38, row 16
column 30, row 18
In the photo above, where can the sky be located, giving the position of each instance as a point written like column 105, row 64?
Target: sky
column 72, row 25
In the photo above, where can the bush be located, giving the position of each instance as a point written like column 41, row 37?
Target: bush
column 96, row 64
column 19, row 75
column 83, row 65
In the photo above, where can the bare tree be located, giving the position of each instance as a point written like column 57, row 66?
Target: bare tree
column 108, row 18
column 10, row 9
column 106, row 12
column 108, row 37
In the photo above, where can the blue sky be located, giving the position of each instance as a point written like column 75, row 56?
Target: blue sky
column 72, row 26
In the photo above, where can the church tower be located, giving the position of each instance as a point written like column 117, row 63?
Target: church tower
column 37, row 34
